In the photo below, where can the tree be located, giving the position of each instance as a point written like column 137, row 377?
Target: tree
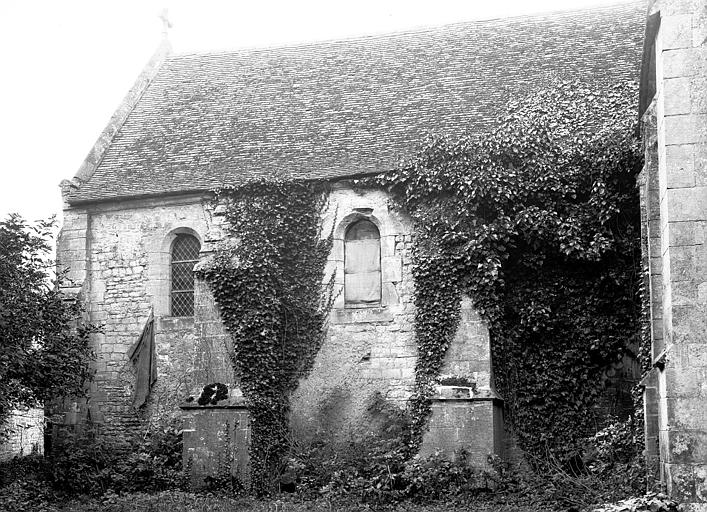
column 44, row 344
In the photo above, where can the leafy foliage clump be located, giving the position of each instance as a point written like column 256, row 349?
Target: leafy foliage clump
column 268, row 285
column 85, row 463
column 650, row 502
column 538, row 222
column 44, row 346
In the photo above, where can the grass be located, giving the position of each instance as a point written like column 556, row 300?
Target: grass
column 177, row 501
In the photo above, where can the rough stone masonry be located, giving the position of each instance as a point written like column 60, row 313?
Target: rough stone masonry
column 368, row 351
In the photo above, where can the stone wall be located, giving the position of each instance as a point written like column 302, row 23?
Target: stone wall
column 367, row 350
column 25, row 433
column 118, row 257
column 675, row 202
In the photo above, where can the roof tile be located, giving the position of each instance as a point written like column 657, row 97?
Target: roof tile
column 340, row 108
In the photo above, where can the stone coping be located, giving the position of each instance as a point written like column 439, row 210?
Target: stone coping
column 465, row 394
column 495, row 399
column 195, row 406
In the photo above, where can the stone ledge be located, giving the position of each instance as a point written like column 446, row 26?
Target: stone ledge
column 494, row 399
column 361, row 315
column 175, row 323
column 191, row 407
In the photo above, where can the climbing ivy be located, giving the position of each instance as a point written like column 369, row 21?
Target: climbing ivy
column 538, row 222
column 267, row 281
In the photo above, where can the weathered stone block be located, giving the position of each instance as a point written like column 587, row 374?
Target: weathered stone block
column 216, row 442
column 677, row 96
column 680, row 481
column 700, row 163
column 680, row 129
column 469, row 424
column 357, row 315
column 686, row 382
column 687, row 413
column 682, row 62
column 687, row 446
column 392, row 269
column 687, row 233
column 678, row 7
column 676, row 31
column 698, row 98
column 687, row 204
column 687, row 262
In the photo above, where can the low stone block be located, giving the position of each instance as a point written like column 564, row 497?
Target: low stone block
column 464, row 423
column 216, row 443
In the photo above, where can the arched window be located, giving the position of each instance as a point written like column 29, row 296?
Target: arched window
column 185, row 254
column 362, row 264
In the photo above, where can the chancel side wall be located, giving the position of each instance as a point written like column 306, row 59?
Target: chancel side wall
column 118, row 257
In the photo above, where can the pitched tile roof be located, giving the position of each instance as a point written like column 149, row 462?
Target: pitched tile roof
column 340, row 108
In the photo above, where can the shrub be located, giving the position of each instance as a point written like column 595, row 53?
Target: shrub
column 651, row 502
column 85, row 463
column 154, row 463
column 24, row 486
column 82, row 462
column 44, row 344
column 436, row 478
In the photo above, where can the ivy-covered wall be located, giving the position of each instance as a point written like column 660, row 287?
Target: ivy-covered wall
column 366, row 350
column 322, row 325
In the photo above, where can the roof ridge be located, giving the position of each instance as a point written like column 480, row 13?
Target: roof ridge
column 540, row 16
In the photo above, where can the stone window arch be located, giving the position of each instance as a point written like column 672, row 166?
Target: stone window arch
column 362, row 264
column 184, row 254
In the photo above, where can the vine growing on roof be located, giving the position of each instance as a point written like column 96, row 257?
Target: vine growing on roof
column 538, row 222
column 267, row 281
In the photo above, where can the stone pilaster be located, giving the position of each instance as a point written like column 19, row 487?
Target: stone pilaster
column 681, row 362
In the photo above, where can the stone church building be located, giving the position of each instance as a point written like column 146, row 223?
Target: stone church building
column 139, row 215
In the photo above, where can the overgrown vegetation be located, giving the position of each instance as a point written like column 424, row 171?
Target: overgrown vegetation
column 268, row 286
column 44, row 345
column 86, row 464
column 146, row 473
column 538, row 222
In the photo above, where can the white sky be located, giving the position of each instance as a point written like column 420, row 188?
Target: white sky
column 66, row 65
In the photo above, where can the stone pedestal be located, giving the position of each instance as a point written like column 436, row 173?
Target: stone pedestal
column 467, row 413
column 216, row 443
column 471, row 424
